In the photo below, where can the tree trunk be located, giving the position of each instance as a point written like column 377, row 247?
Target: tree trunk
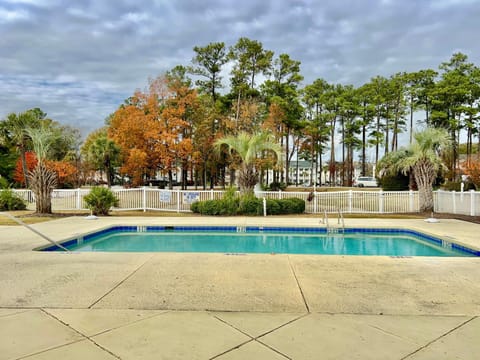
column 424, row 173
column 247, row 179
column 42, row 182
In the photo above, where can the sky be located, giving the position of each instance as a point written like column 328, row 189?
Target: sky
column 79, row 60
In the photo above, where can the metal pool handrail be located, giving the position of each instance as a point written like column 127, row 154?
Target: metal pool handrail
column 18, row 221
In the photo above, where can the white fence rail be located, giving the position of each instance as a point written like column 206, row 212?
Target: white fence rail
column 453, row 202
column 146, row 198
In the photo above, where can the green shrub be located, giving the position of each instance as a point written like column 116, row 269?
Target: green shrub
column 229, row 204
column 452, row 185
column 194, row 207
column 273, row 207
column 250, row 205
column 399, row 182
column 100, row 200
column 3, row 183
column 469, row 186
column 276, row 186
column 292, row 206
column 10, row 201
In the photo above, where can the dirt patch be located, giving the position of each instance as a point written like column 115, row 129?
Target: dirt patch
column 472, row 219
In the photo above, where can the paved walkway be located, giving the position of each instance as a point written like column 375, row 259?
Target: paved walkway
column 206, row 306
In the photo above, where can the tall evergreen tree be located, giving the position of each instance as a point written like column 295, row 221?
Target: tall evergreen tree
column 208, row 63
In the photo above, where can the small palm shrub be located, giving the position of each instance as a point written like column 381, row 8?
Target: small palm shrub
column 10, row 201
column 100, row 200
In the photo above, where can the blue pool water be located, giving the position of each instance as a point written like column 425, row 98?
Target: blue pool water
column 389, row 242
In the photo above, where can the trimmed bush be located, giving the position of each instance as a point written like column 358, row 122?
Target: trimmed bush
column 452, row 185
column 10, row 201
column 292, row 206
column 249, row 205
column 100, row 200
column 399, row 182
column 273, row 207
column 230, row 202
column 195, row 207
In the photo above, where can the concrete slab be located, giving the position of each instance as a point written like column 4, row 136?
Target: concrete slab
column 77, row 351
column 216, row 282
column 461, row 344
column 35, row 279
column 30, row 332
column 256, row 324
column 251, row 350
column 7, row 312
column 336, row 337
column 91, row 322
column 173, row 335
column 419, row 330
column 250, row 283
column 379, row 284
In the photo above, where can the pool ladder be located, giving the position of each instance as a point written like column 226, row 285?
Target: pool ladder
column 340, row 220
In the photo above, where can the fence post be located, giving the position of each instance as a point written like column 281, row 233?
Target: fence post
column 454, row 202
column 144, row 199
column 472, row 203
column 178, row 201
column 410, row 198
column 380, row 201
column 314, row 202
column 350, row 199
column 78, row 198
column 211, row 194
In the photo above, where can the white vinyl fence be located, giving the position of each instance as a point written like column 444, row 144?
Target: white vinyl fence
column 146, row 198
column 453, row 202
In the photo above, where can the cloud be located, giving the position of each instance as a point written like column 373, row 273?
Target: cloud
column 79, row 60
column 8, row 16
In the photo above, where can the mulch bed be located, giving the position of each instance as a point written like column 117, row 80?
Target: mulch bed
column 472, row 219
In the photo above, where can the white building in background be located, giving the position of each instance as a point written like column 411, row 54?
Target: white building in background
column 300, row 172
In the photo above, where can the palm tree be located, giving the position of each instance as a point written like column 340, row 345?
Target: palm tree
column 15, row 130
column 423, row 159
column 105, row 154
column 43, row 180
column 249, row 148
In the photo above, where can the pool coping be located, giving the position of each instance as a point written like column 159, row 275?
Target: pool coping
column 432, row 238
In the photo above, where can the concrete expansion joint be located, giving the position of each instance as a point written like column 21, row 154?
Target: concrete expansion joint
column 298, row 285
column 121, row 282
column 256, row 338
column 86, row 337
column 440, row 337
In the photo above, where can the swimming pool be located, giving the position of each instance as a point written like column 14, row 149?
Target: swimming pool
column 277, row 240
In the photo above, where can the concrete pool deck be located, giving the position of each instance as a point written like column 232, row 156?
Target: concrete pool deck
column 204, row 306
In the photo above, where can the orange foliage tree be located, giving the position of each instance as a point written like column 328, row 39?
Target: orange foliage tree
column 472, row 169
column 31, row 162
column 153, row 129
column 65, row 171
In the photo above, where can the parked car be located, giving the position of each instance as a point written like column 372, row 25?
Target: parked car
column 365, row 181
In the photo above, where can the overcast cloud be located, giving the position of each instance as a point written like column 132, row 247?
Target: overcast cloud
column 78, row 60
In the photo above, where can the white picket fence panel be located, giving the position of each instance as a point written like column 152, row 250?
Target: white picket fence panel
column 147, row 198
column 454, row 202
